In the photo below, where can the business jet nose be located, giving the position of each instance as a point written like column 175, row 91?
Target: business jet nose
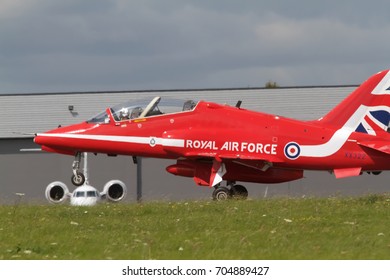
column 85, row 195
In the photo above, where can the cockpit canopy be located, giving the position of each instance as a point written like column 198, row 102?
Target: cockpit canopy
column 144, row 108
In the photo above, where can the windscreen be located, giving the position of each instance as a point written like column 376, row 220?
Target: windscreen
column 144, row 108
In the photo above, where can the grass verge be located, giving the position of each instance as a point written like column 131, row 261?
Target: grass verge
column 283, row 228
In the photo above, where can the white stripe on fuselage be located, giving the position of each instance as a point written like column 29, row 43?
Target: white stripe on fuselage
column 121, row 139
column 338, row 139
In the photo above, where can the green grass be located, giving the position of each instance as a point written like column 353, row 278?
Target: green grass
column 283, row 228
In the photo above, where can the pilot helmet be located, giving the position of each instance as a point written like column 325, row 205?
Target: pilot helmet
column 124, row 113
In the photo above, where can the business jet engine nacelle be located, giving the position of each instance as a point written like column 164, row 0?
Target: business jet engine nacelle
column 57, row 192
column 114, row 190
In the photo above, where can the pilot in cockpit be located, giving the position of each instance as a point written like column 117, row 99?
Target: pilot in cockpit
column 189, row 105
column 136, row 112
column 124, row 114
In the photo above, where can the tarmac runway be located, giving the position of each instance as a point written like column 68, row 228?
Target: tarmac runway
column 29, row 174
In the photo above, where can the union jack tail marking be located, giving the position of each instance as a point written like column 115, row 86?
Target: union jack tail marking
column 374, row 120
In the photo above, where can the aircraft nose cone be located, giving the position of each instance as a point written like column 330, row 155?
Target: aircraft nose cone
column 44, row 141
column 50, row 144
column 37, row 139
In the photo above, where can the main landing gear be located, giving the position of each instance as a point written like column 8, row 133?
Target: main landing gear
column 238, row 192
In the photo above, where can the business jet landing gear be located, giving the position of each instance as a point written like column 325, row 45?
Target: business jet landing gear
column 78, row 177
column 238, row 192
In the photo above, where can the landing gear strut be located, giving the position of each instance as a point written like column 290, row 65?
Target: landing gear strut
column 78, row 177
column 238, row 192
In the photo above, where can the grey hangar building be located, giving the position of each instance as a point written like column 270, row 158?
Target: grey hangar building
column 25, row 174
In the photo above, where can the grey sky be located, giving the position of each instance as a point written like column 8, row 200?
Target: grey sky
column 74, row 45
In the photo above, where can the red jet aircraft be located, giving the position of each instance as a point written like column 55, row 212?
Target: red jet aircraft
column 213, row 143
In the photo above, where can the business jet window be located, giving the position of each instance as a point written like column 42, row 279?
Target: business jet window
column 92, row 194
column 143, row 109
column 79, row 194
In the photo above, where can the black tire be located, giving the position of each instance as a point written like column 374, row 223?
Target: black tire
column 239, row 192
column 78, row 180
column 221, row 193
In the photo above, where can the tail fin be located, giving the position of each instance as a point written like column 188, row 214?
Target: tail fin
column 367, row 109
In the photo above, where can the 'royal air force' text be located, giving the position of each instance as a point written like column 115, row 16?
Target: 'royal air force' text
column 258, row 148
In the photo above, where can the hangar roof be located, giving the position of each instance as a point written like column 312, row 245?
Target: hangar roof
column 23, row 114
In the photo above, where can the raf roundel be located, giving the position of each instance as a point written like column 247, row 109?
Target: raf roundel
column 152, row 142
column 292, row 150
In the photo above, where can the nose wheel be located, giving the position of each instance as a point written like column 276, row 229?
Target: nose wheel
column 237, row 192
column 78, row 179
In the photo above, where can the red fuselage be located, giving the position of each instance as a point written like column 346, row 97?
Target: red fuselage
column 243, row 138
column 213, row 142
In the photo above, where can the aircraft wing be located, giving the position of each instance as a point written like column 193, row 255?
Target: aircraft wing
column 256, row 162
column 380, row 146
column 269, row 158
column 218, row 169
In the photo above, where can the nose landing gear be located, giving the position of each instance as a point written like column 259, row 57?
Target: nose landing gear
column 79, row 178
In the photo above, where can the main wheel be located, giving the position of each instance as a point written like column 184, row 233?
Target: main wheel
column 79, row 179
column 239, row 192
column 221, row 193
